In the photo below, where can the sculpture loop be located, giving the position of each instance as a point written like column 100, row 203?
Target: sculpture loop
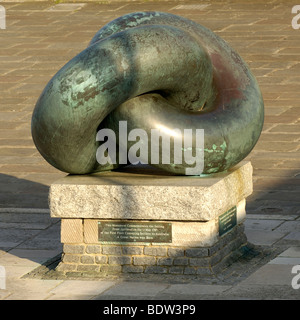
column 152, row 70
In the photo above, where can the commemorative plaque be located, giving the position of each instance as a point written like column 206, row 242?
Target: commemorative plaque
column 227, row 221
column 127, row 231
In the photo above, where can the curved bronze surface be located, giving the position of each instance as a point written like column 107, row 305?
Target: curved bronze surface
column 153, row 70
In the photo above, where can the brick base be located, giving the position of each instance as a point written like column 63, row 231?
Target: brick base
column 91, row 258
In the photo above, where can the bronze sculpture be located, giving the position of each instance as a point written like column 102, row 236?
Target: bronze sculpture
column 150, row 69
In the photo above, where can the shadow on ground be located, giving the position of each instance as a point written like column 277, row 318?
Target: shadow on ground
column 22, row 193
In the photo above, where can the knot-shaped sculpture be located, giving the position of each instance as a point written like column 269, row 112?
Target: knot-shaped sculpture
column 151, row 70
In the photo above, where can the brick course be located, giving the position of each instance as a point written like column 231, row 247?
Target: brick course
column 155, row 259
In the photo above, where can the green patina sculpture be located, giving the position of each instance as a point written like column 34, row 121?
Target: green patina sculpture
column 153, row 70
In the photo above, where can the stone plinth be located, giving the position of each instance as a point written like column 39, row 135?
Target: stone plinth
column 203, row 217
column 152, row 195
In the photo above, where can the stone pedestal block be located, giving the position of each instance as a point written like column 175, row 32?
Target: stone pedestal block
column 138, row 221
column 151, row 195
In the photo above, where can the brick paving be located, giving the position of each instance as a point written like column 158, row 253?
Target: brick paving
column 41, row 37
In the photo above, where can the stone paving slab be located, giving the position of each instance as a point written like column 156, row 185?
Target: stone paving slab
column 137, row 289
column 195, row 289
column 82, row 289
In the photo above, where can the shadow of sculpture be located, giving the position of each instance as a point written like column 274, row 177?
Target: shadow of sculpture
column 21, row 193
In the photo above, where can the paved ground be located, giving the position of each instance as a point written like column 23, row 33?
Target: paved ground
column 40, row 38
column 265, row 272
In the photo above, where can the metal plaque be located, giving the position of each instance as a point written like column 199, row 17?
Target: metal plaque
column 227, row 221
column 125, row 231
